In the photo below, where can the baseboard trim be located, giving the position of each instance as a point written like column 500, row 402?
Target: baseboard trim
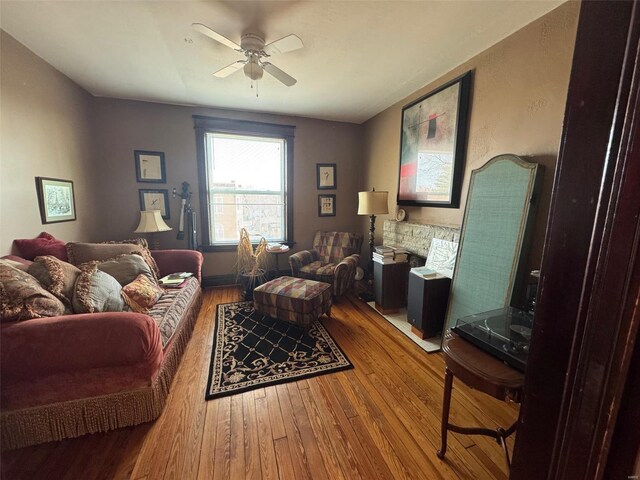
column 232, row 279
column 219, row 280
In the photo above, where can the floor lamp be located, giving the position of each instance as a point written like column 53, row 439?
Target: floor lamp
column 372, row 203
column 151, row 222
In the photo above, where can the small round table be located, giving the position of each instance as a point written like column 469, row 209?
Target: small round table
column 482, row 372
column 277, row 251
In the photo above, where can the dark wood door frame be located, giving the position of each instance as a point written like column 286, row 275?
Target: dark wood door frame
column 587, row 314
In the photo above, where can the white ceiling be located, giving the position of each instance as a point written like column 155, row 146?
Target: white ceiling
column 359, row 58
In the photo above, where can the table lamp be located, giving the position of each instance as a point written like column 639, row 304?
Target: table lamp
column 151, row 222
column 372, row 203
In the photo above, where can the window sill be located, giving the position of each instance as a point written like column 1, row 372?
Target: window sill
column 232, row 247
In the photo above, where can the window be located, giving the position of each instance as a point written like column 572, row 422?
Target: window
column 245, row 167
column 245, row 177
column 218, row 204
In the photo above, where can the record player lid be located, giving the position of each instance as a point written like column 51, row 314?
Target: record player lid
column 504, row 333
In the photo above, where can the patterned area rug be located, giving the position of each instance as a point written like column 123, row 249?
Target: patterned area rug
column 251, row 350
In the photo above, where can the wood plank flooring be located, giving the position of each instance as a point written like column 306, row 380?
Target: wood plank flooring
column 380, row 420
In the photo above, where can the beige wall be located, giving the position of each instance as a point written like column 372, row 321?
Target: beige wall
column 124, row 126
column 45, row 130
column 517, row 106
column 51, row 127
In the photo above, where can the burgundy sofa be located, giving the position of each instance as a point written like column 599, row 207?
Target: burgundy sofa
column 69, row 375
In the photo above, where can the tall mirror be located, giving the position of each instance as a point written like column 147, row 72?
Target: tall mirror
column 491, row 264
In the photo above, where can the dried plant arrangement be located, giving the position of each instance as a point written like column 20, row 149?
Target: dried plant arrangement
column 251, row 265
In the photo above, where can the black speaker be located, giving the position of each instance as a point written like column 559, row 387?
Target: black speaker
column 427, row 303
column 390, row 285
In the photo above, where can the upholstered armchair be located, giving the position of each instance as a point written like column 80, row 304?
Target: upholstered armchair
column 333, row 259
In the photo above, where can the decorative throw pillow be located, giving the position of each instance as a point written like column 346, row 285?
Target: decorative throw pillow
column 141, row 294
column 146, row 253
column 17, row 264
column 56, row 276
column 80, row 253
column 22, row 297
column 125, row 268
column 96, row 291
column 43, row 244
column 88, row 252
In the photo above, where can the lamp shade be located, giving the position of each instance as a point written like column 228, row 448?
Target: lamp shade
column 373, row 203
column 151, row 221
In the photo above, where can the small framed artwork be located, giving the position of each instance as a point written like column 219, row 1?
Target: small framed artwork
column 327, row 205
column 155, row 200
column 56, row 200
column 433, row 146
column 150, row 166
column 327, row 176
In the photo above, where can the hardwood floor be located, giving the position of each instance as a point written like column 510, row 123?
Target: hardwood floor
column 378, row 420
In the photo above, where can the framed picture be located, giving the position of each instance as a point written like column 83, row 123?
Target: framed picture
column 56, row 200
column 150, row 166
column 433, row 146
column 327, row 205
column 155, row 200
column 327, row 176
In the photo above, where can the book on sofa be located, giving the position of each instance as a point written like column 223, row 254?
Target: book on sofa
column 175, row 280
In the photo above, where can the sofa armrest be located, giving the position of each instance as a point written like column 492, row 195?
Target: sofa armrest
column 345, row 274
column 70, row 343
column 300, row 259
column 172, row 261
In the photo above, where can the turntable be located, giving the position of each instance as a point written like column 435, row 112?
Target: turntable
column 504, row 333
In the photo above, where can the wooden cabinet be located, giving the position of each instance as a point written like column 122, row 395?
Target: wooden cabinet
column 390, row 286
column 427, row 304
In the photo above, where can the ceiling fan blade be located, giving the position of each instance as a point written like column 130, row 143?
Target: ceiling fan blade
column 229, row 69
column 285, row 44
column 287, row 79
column 199, row 27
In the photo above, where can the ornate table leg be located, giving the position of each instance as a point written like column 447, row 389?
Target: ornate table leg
column 446, row 403
column 502, row 435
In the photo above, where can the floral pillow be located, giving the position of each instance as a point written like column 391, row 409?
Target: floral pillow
column 23, row 298
column 141, row 294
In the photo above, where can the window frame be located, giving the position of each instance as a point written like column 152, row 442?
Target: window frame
column 204, row 125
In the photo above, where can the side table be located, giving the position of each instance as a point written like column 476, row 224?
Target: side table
column 277, row 252
column 480, row 371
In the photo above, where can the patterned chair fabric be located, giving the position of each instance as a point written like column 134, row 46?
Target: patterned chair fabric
column 334, row 259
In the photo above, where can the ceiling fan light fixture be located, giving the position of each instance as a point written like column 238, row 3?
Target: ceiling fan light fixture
column 253, row 70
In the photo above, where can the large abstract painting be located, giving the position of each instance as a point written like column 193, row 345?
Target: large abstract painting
column 433, row 146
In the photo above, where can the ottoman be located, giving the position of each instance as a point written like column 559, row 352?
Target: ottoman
column 294, row 300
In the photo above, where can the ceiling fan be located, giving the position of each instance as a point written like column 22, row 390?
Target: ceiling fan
column 255, row 51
